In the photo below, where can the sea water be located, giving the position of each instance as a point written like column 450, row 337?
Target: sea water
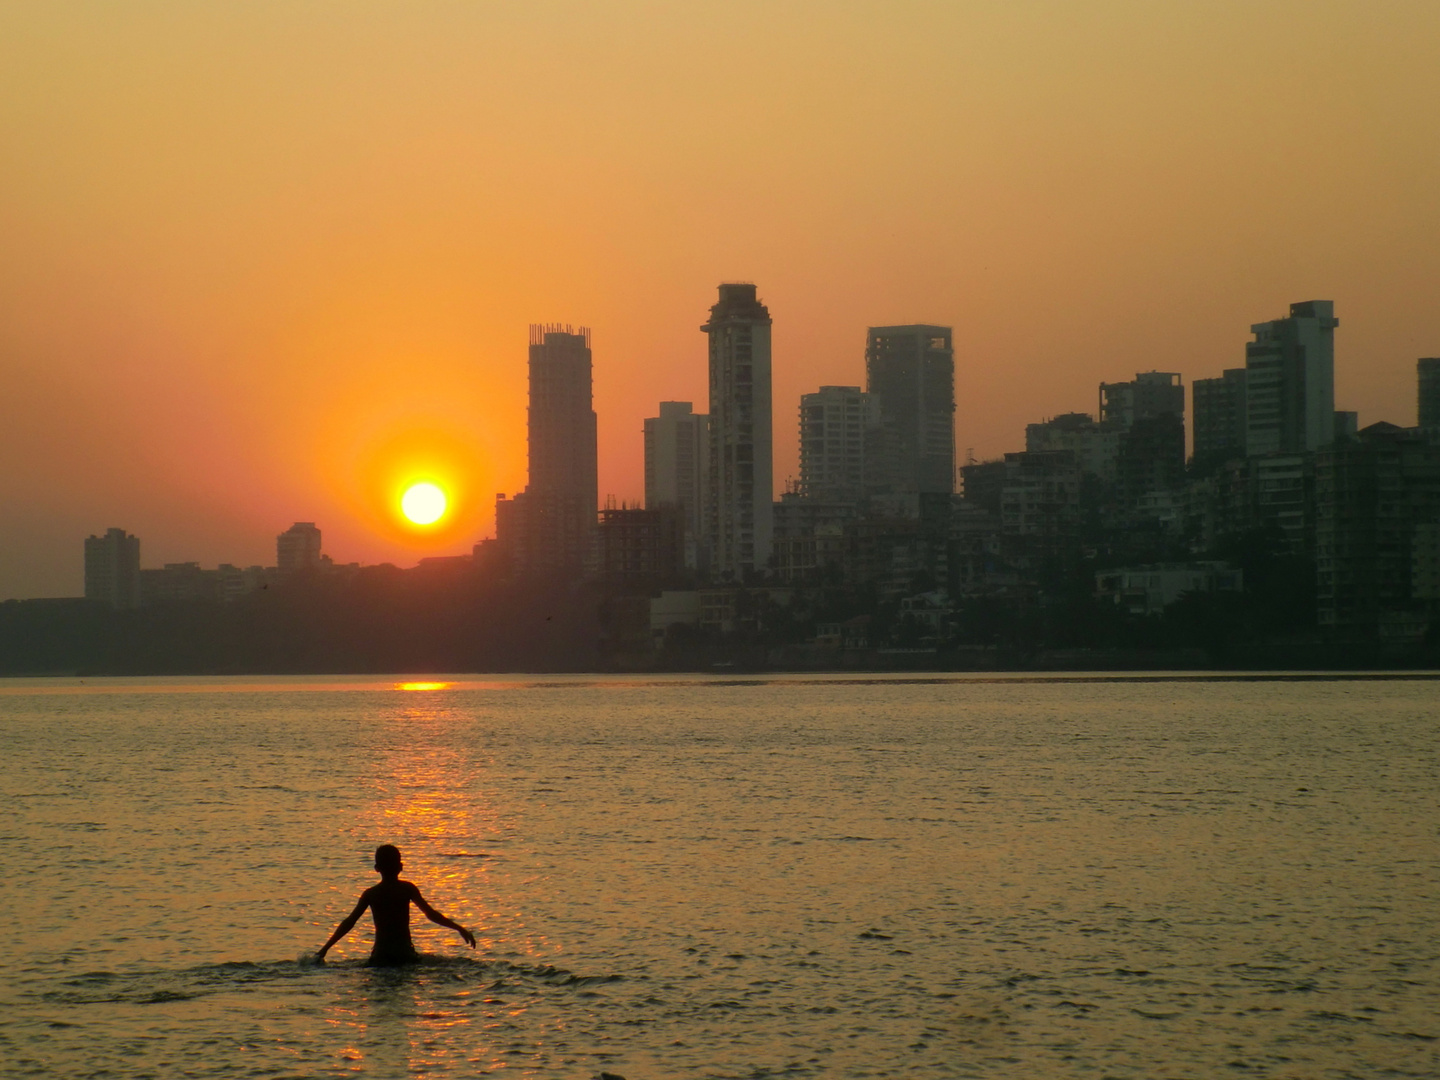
column 690, row 877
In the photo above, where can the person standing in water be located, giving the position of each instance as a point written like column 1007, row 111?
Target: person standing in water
column 389, row 903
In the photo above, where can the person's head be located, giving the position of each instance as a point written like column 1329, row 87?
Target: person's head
column 387, row 861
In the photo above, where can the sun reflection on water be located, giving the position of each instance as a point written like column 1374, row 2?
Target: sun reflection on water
column 432, row 793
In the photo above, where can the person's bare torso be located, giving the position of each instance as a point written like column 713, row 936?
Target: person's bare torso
column 390, row 909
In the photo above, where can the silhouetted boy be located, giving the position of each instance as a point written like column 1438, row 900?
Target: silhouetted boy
column 389, row 904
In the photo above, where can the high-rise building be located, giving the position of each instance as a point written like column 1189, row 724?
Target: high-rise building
column 911, row 371
column 1290, row 381
column 838, row 425
column 1040, row 504
column 1151, row 457
column 740, row 484
column 112, row 569
column 1150, row 394
column 1149, row 414
column 1376, row 497
column 1428, row 372
column 298, row 548
column 982, row 483
column 676, row 448
column 179, row 583
column 1218, row 418
column 550, row 526
column 561, row 416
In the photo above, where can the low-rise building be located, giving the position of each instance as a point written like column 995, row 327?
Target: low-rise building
column 179, row 583
column 929, row 611
column 852, row 633
column 1425, row 563
column 236, row 581
column 1149, row 590
column 670, row 609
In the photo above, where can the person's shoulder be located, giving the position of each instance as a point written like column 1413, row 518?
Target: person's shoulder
column 410, row 887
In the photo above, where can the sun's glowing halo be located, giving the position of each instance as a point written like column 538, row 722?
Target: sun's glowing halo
column 423, row 503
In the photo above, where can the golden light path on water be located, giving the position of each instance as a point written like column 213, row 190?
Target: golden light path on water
column 433, row 803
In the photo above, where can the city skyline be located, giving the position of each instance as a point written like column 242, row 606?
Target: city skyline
column 562, row 440
column 1341, row 521
column 259, row 271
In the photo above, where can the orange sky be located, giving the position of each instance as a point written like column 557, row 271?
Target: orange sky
column 260, row 260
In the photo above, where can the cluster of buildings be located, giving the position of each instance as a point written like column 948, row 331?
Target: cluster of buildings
column 114, row 577
column 882, row 506
column 880, row 503
column 710, row 509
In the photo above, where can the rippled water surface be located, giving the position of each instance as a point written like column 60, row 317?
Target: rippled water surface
column 800, row 877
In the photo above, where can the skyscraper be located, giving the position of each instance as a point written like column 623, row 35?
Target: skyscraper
column 911, row 371
column 740, row 485
column 837, row 426
column 676, row 448
column 112, row 569
column 561, row 417
column 550, row 526
column 1428, row 372
column 298, row 548
column 1290, row 381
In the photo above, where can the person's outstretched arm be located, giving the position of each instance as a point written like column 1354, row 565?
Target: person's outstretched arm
column 345, row 924
column 435, row 917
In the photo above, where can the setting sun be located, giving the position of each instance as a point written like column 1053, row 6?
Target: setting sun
column 423, row 504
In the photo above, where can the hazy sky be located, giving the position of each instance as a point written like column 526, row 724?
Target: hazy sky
column 259, row 262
